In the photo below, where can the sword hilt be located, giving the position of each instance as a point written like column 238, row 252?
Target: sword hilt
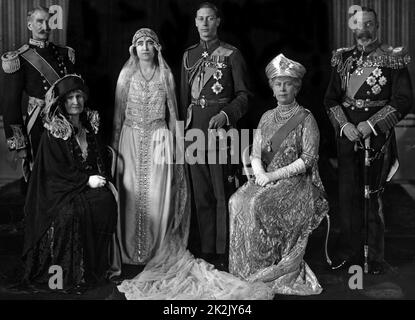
column 366, row 264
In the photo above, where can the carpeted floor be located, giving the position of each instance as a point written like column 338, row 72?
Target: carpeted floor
column 397, row 283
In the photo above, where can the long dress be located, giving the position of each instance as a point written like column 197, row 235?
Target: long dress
column 172, row 272
column 144, row 180
column 66, row 222
column 269, row 226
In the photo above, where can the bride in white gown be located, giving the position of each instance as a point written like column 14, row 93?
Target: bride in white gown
column 173, row 272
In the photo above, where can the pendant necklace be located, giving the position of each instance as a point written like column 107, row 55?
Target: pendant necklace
column 152, row 75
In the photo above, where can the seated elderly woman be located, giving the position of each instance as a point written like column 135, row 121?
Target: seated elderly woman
column 70, row 212
column 272, row 216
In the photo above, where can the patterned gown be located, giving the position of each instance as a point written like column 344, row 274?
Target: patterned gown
column 144, row 180
column 269, row 226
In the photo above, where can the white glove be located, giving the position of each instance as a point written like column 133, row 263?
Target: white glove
column 96, row 181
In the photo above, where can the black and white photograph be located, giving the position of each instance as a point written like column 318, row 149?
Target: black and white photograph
column 229, row 152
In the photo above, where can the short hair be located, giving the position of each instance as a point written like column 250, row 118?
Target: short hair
column 36, row 9
column 367, row 9
column 209, row 5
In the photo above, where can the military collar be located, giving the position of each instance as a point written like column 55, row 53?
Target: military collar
column 39, row 43
column 374, row 45
column 207, row 45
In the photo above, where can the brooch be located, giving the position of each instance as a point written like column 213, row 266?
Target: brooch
column 269, row 149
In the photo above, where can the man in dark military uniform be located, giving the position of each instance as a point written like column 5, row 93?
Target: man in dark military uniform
column 31, row 69
column 214, row 95
column 369, row 93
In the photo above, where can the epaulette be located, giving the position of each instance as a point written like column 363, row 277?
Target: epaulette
column 337, row 58
column 228, row 46
column 386, row 48
column 397, row 58
column 10, row 60
column 71, row 52
column 192, row 47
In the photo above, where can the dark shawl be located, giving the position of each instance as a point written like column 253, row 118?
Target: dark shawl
column 57, row 178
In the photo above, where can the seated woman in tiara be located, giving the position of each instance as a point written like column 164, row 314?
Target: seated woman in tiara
column 272, row 215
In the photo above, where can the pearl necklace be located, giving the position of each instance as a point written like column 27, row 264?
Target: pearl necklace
column 285, row 112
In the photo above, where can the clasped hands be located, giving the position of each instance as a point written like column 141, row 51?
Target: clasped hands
column 264, row 178
column 353, row 133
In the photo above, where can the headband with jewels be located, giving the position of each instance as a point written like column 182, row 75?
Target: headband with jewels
column 281, row 66
column 145, row 32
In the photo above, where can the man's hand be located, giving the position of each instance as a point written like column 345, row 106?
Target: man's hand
column 263, row 179
column 96, row 181
column 218, row 121
column 364, row 129
column 351, row 132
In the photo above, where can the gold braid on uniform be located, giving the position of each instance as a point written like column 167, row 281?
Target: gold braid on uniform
column 386, row 118
column 193, row 70
column 10, row 61
column 343, row 68
column 18, row 140
column 337, row 115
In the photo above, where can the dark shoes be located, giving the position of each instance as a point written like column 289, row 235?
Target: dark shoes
column 344, row 263
column 376, row 268
column 220, row 261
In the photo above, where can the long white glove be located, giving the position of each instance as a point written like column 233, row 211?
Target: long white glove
column 263, row 178
column 293, row 169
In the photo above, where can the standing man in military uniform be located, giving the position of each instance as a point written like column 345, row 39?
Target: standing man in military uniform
column 369, row 93
column 214, row 95
column 31, row 69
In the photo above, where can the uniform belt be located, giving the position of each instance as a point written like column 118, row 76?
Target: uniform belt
column 363, row 104
column 203, row 102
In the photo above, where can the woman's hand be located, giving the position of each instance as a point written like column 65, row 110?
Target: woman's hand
column 96, row 181
column 263, row 179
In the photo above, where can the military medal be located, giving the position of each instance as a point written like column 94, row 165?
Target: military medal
column 205, row 54
column 359, row 70
column 217, row 87
column 376, row 81
column 217, row 75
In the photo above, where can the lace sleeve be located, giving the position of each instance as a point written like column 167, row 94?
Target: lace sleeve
column 310, row 141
